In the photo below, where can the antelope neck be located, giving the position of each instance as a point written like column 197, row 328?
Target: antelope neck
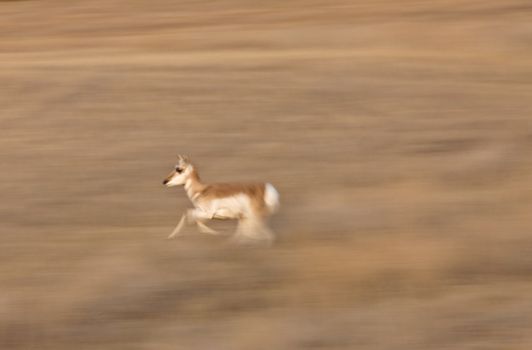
column 193, row 186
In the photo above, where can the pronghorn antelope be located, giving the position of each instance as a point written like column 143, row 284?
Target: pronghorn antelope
column 250, row 204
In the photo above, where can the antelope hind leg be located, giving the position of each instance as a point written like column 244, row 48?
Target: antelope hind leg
column 253, row 230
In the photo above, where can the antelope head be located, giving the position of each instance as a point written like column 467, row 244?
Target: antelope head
column 180, row 174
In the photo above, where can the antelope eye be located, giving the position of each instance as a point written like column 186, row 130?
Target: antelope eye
column 179, row 170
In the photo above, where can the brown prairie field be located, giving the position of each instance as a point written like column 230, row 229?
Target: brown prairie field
column 398, row 133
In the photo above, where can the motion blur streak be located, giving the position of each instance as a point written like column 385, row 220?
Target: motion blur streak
column 398, row 133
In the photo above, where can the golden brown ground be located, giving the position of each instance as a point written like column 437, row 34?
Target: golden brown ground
column 398, row 133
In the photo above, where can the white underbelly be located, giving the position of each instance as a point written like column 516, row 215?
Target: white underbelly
column 233, row 207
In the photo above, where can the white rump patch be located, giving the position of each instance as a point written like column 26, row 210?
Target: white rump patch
column 271, row 198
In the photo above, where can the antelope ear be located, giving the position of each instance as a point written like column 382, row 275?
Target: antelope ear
column 183, row 158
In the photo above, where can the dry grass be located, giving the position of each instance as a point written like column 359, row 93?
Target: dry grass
column 398, row 133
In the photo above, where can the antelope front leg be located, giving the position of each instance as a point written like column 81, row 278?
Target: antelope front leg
column 179, row 226
column 198, row 216
column 206, row 229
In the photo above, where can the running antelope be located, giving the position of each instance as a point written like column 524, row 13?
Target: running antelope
column 250, row 204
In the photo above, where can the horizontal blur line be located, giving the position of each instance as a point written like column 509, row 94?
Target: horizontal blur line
column 221, row 57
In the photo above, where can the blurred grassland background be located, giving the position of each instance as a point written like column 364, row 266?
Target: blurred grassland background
column 397, row 132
